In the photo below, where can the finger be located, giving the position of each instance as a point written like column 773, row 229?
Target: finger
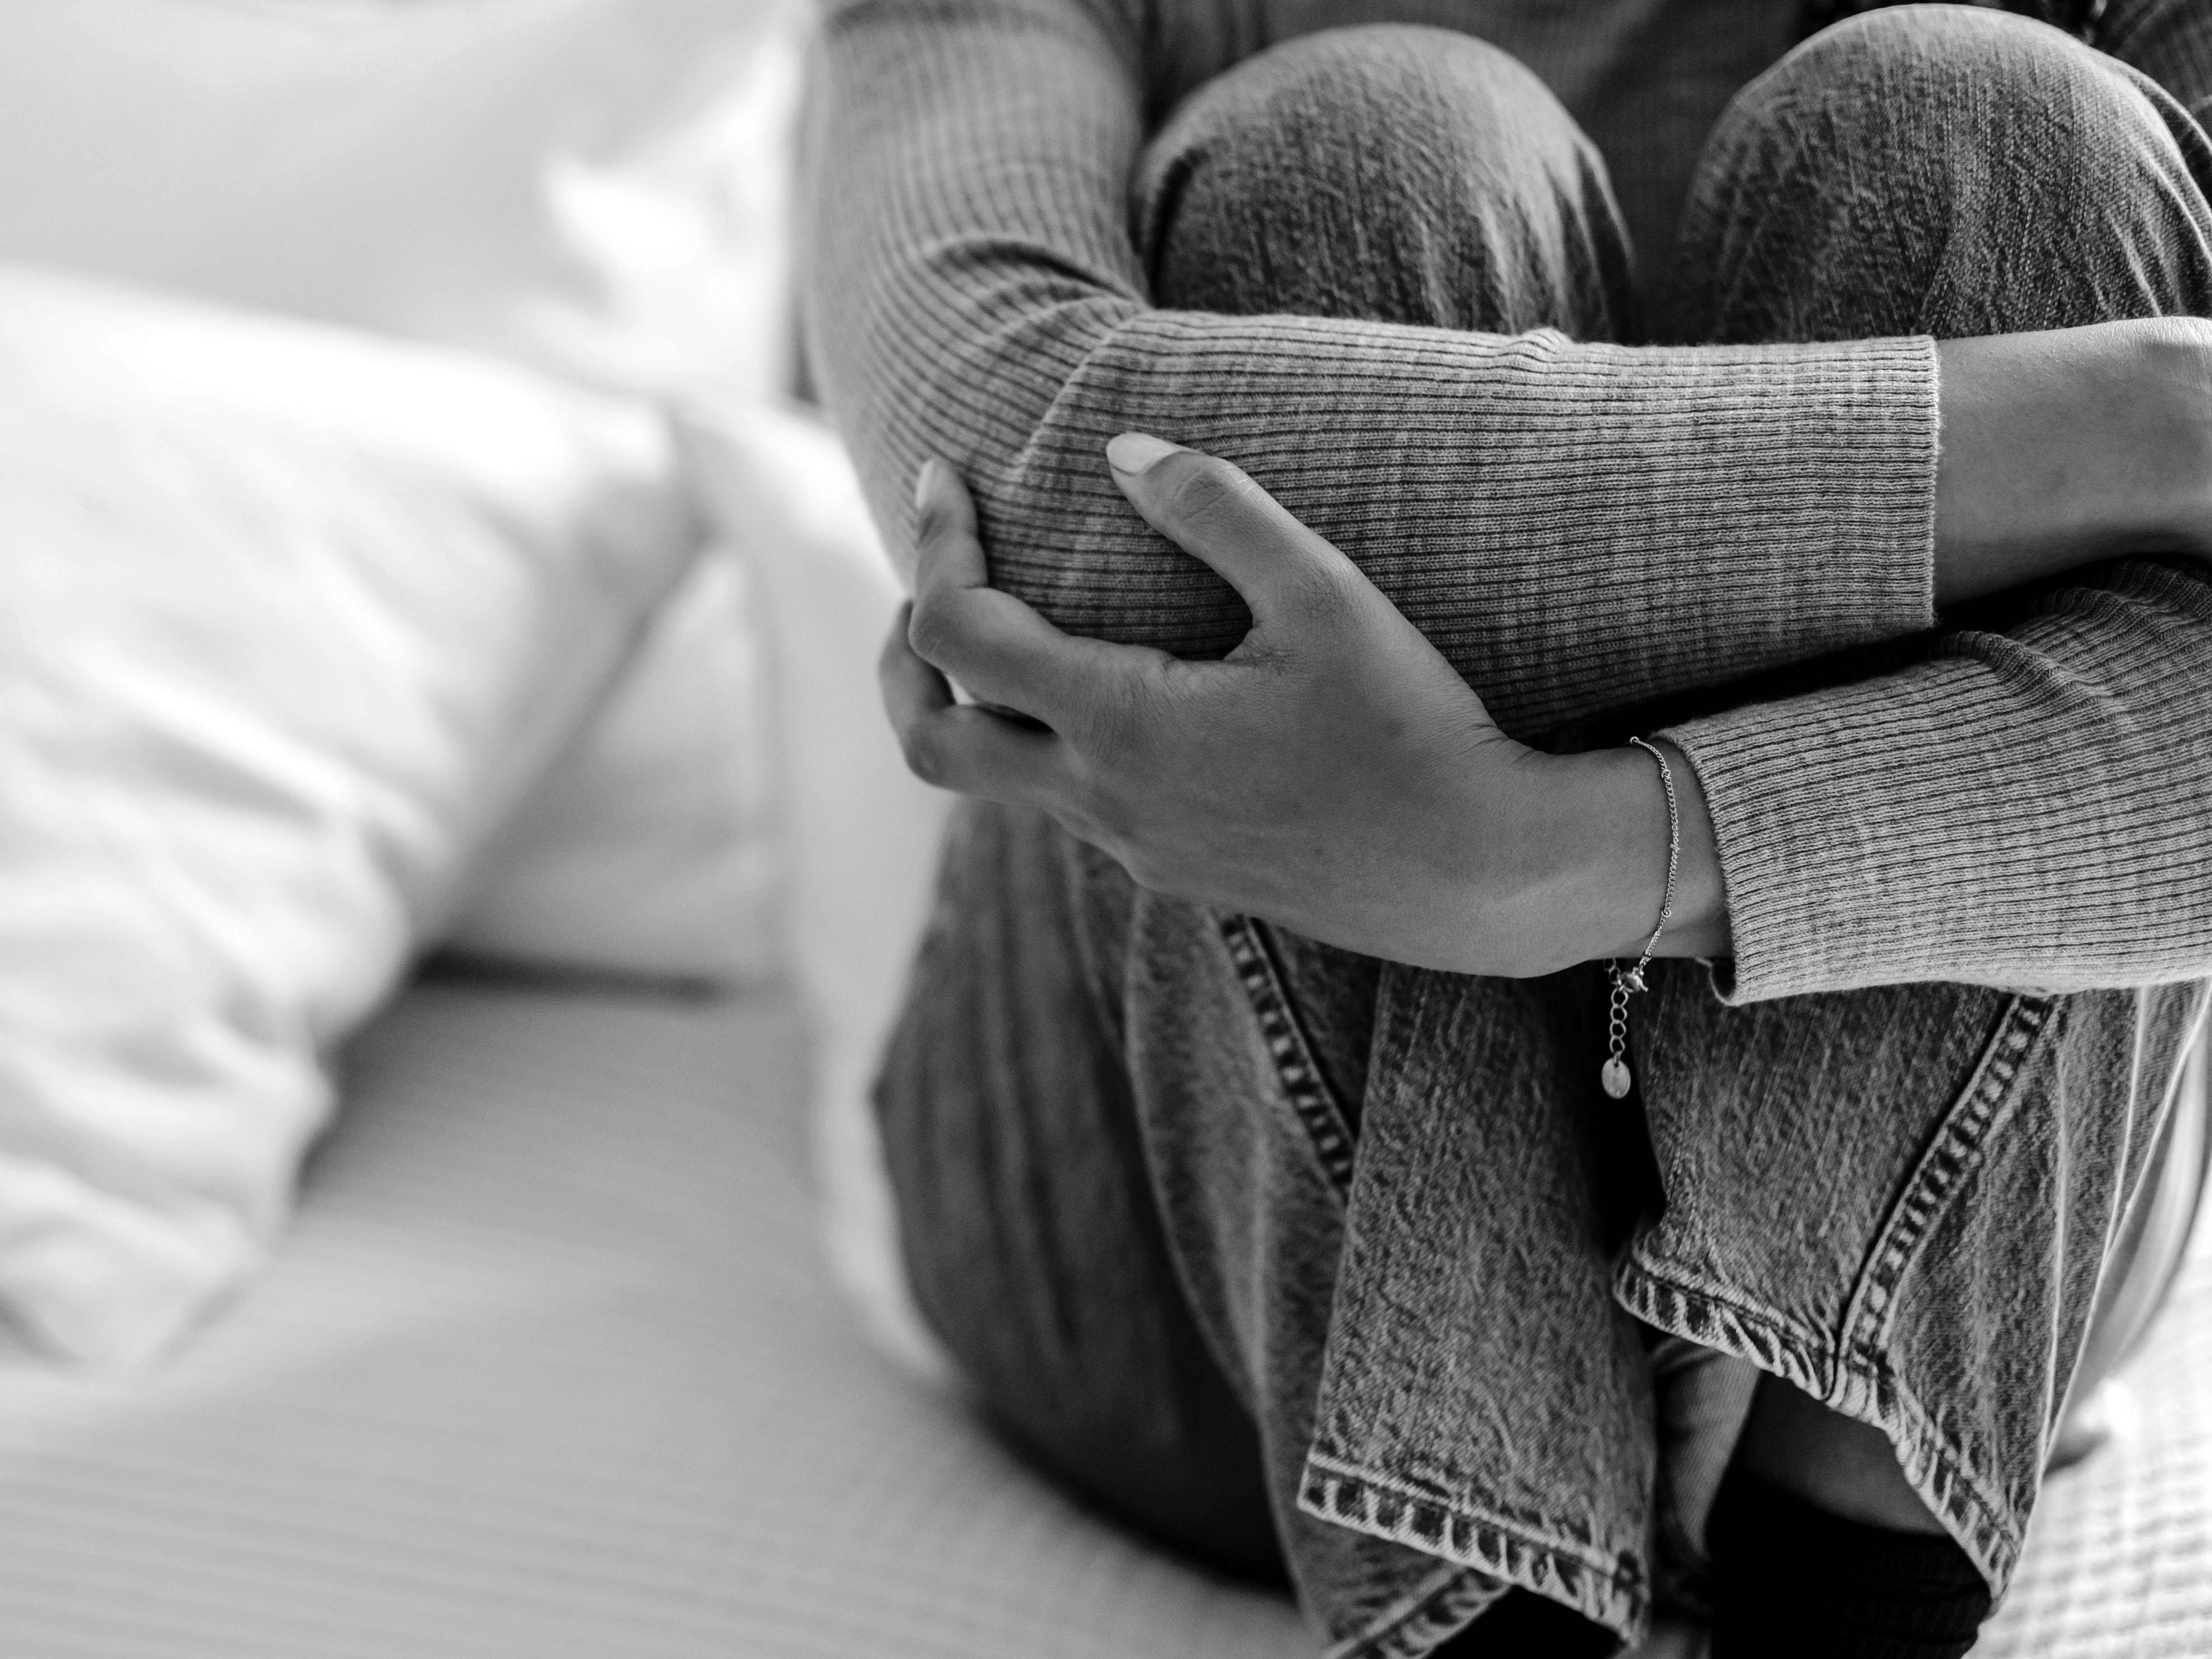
column 973, row 751
column 1000, row 650
column 994, row 645
column 945, row 526
column 1213, row 510
column 910, row 686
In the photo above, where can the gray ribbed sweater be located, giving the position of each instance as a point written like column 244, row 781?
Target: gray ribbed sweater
column 1576, row 526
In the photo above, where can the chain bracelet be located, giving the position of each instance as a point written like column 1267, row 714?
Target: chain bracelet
column 1614, row 1074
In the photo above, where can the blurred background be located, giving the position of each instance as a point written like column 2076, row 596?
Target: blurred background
column 454, row 878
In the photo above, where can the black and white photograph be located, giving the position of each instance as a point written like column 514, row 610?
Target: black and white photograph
column 1105, row 829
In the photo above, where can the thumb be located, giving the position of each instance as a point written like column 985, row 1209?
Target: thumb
column 1213, row 510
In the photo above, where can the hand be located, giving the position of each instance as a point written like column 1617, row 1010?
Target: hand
column 1333, row 774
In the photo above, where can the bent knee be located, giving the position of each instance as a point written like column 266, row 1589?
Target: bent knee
column 1931, row 86
column 1395, row 145
column 1945, row 170
column 1400, row 85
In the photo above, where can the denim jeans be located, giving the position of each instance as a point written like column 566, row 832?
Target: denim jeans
column 1296, row 1258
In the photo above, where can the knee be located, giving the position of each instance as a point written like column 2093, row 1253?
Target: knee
column 1943, row 95
column 1380, row 141
column 1948, row 170
column 1396, row 92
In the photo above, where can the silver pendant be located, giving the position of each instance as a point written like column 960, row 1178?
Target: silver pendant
column 1615, row 1078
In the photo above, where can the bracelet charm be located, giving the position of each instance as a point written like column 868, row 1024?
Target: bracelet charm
column 1615, row 1077
column 1614, row 1074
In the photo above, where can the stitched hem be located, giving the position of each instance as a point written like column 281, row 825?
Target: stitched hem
column 1853, row 1374
column 1444, row 1605
column 1934, row 1465
column 1943, row 1170
column 1610, row 1589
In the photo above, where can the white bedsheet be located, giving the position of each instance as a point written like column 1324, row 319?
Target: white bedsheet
column 549, row 1370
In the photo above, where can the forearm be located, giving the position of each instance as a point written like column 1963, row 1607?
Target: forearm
column 1573, row 525
column 2069, row 446
column 2029, row 805
column 1576, row 526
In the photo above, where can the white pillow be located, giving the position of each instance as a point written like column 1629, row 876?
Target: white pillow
column 651, row 847
column 597, row 186
column 864, row 834
column 289, row 618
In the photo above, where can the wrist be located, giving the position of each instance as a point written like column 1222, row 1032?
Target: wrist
column 1620, row 859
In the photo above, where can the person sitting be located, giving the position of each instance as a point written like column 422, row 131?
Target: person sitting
column 1272, row 1153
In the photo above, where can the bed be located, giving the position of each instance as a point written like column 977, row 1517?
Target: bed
column 550, row 1369
column 552, row 1362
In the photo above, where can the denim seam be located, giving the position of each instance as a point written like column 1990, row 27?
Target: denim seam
column 1942, row 1172
column 1608, row 1589
column 1946, row 1473
column 1754, row 1322
column 1295, row 1070
column 1445, row 1604
column 1946, row 1477
column 1943, row 1473
column 1854, row 1376
column 1647, row 1292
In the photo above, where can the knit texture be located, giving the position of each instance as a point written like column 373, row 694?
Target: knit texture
column 1577, row 525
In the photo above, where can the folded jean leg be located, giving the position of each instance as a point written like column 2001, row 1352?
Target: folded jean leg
column 1409, row 175
column 1151, row 1160
column 1936, row 1219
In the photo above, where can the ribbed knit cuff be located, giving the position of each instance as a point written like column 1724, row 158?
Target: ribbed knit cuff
column 2020, row 809
column 1888, row 832
column 1822, row 809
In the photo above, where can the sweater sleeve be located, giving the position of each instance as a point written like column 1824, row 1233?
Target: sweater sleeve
column 1575, row 525
column 2030, row 804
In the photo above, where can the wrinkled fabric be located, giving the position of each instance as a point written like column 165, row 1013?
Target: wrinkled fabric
column 1147, row 1153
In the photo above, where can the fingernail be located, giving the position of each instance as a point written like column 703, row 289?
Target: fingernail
column 925, row 480
column 1136, row 453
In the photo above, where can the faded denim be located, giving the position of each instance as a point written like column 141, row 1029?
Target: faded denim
column 1271, row 1249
